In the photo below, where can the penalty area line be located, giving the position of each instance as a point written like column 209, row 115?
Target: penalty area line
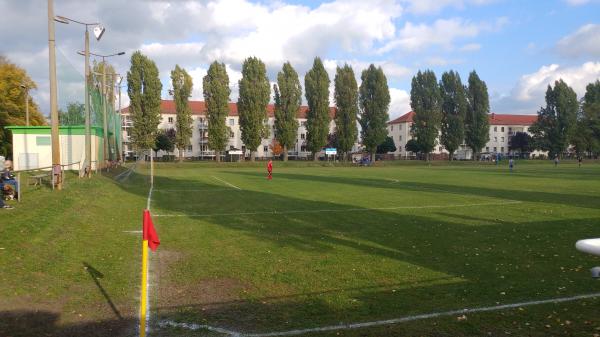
column 350, row 326
column 226, row 183
column 339, row 210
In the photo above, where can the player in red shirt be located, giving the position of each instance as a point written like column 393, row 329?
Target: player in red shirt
column 270, row 169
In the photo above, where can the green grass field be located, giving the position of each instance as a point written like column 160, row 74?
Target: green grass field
column 316, row 246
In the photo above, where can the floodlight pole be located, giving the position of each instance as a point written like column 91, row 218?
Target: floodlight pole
column 120, row 147
column 104, row 120
column 88, row 116
column 26, row 89
column 56, row 168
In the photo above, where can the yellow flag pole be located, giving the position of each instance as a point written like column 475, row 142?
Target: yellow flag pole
column 143, row 293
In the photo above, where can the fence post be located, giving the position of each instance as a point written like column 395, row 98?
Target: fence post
column 19, row 187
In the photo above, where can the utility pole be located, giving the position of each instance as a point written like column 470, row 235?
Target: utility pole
column 26, row 89
column 88, row 114
column 104, row 119
column 120, row 147
column 56, row 168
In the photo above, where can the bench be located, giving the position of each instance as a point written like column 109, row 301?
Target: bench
column 37, row 179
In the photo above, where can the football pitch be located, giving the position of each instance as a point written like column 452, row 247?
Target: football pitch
column 400, row 249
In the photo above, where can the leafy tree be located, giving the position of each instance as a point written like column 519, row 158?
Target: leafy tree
column 521, row 142
column 216, row 96
column 374, row 100
column 12, row 102
column 413, row 146
column 163, row 142
column 332, row 140
column 316, row 83
column 252, row 103
column 144, row 88
column 346, row 101
column 426, row 102
column 583, row 140
column 182, row 90
column 288, row 97
column 387, row 146
column 556, row 122
column 276, row 148
column 111, row 78
column 454, row 109
column 477, row 128
column 75, row 114
column 591, row 109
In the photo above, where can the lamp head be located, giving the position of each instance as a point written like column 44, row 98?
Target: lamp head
column 98, row 32
column 61, row 19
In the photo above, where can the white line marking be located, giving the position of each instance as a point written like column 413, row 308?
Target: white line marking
column 349, row 326
column 224, row 182
column 133, row 232
column 339, row 210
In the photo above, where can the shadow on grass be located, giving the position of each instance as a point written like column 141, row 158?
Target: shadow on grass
column 500, row 262
column 45, row 323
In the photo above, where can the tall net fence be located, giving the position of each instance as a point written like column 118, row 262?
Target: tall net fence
column 71, row 105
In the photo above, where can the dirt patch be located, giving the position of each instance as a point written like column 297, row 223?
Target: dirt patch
column 204, row 294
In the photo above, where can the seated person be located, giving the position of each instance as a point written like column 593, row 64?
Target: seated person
column 7, row 177
column 2, row 204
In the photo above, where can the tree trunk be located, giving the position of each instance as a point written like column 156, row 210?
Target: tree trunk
column 285, row 153
column 180, row 155
column 252, row 156
column 316, row 156
column 373, row 157
column 450, row 156
column 218, row 156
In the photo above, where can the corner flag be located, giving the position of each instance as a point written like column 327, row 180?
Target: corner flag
column 149, row 233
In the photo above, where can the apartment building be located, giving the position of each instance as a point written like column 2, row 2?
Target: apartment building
column 198, row 148
column 502, row 128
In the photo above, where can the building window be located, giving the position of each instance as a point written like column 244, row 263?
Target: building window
column 303, row 148
column 502, row 149
column 495, row 149
column 495, row 139
column 400, row 137
column 231, row 121
column 301, row 136
column 231, row 134
column 231, row 147
column 265, row 149
column 190, row 148
column 400, row 127
column 303, row 123
column 495, row 128
column 170, row 119
column 502, row 139
column 399, row 148
column 487, row 149
column 392, row 127
column 502, row 129
column 440, row 149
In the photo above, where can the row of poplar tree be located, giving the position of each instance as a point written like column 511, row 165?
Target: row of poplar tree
column 368, row 105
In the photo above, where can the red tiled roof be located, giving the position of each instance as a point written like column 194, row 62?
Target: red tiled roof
column 494, row 119
column 506, row 119
column 199, row 108
column 406, row 118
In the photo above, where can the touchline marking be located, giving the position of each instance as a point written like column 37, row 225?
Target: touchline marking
column 226, row 183
column 338, row 210
column 198, row 190
column 349, row 326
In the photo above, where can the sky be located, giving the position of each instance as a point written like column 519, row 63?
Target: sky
column 517, row 47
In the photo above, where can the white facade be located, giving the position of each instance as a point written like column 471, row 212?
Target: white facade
column 502, row 128
column 198, row 148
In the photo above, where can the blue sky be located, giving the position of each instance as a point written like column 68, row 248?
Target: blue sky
column 517, row 47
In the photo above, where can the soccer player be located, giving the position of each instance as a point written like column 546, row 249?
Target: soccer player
column 270, row 169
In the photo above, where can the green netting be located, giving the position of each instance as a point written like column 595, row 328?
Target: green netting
column 71, row 102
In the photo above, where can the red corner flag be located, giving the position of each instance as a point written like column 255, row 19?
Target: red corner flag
column 149, row 233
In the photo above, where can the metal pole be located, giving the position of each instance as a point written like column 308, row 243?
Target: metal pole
column 105, row 121
column 19, row 195
column 120, row 127
column 115, row 127
column 27, row 106
column 53, row 99
column 88, row 116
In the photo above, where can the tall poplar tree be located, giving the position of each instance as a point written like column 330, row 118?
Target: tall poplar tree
column 182, row 90
column 591, row 108
column 144, row 88
column 454, row 109
column 477, row 124
column 426, row 102
column 552, row 131
column 374, row 99
column 346, row 101
column 316, row 84
column 216, row 97
column 288, row 97
column 255, row 92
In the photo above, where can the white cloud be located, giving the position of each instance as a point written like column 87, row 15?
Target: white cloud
column 400, row 102
column 435, row 6
column 442, row 33
column 585, row 42
column 579, row 2
column 532, row 87
column 470, row 47
column 391, row 69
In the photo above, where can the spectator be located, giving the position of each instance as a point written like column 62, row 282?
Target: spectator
column 8, row 177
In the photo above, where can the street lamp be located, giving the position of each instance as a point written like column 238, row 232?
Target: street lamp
column 26, row 88
column 104, row 119
column 56, row 167
column 98, row 32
